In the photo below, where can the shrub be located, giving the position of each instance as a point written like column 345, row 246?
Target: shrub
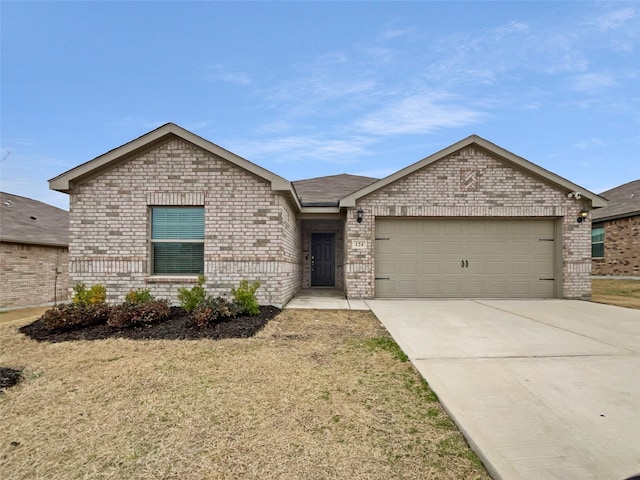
column 94, row 295
column 190, row 298
column 245, row 297
column 213, row 309
column 69, row 316
column 139, row 296
column 131, row 314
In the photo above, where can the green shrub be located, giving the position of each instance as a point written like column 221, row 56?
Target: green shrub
column 212, row 310
column 70, row 316
column 142, row 295
column 190, row 298
column 245, row 297
column 131, row 314
column 89, row 296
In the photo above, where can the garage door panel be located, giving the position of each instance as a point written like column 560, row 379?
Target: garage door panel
column 501, row 268
column 495, row 289
column 385, row 247
column 477, row 248
column 430, row 267
column 405, row 268
column 465, row 258
column 452, row 246
column 407, row 247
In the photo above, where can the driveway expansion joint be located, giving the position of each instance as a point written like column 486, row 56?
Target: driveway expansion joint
column 551, row 325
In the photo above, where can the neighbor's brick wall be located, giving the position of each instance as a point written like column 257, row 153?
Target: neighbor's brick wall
column 443, row 189
column 29, row 275
column 621, row 248
column 249, row 230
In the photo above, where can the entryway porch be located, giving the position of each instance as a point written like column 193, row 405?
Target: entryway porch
column 324, row 299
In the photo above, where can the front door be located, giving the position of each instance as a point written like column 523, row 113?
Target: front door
column 323, row 259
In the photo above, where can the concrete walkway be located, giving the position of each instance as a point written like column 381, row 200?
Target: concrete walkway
column 544, row 389
column 325, row 299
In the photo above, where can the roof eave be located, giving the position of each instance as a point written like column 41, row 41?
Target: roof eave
column 64, row 182
column 596, row 201
column 34, row 242
column 322, row 210
column 615, row 217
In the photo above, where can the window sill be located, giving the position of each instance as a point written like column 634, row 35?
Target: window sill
column 172, row 279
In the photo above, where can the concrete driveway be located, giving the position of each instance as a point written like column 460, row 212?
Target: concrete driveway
column 541, row 389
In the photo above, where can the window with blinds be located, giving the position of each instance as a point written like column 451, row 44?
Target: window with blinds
column 177, row 240
column 597, row 241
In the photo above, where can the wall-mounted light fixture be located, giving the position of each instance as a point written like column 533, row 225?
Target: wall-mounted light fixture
column 584, row 213
column 359, row 214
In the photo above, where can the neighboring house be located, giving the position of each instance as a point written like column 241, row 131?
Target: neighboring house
column 615, row 233
column 472, row 220
column 34, row 252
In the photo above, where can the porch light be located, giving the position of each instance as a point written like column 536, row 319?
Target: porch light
column 584, row 213
column 359, row 214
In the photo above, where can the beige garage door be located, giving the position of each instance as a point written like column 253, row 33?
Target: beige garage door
column 464, row 258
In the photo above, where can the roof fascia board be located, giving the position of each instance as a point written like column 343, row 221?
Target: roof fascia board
column 350, row 200
column 35, row 242
column 542, row 173
column 64, row 181
column 531, row 168
column 615, row 217
column 319, row 210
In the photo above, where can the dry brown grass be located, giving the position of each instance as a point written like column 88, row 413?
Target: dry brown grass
column 22, row 314
column 623, row 293
column 313, row 396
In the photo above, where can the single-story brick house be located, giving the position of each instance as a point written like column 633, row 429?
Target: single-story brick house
column 472, row 220
column 615, row 233
column 34, row 252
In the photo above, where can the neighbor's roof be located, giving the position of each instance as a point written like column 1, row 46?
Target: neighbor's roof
column 23, row 220
column 327, row 191
column 496, row 151
column 624, row 201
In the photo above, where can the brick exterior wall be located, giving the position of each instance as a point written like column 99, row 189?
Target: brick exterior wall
column 469, row 183
column 621, row 248
column 29, row 275
column 250, row 232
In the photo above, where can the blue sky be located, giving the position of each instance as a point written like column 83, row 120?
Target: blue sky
column 307, row 89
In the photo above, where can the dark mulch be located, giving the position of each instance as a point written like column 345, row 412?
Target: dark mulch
column 179, row 326
column 9, row 377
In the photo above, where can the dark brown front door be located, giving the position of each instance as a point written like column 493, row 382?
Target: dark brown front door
column 323, row 259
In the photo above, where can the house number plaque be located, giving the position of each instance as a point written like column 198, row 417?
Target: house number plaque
column 359, row 244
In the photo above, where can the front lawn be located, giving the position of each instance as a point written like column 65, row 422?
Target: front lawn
column 313, row 395
column 623, row 293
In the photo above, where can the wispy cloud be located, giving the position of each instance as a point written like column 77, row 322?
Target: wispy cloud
column 227, row 74
column 589, row 143
column 303, row 148
column 614, row 19
column 591, row 82
column 421, row 113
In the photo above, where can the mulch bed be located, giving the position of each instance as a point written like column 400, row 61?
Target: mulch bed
column 179, row 326
column 9, row 377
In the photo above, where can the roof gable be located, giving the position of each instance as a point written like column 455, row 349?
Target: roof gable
column 624, row 201
column 23, row 220
column 475, row 140
column 65, row 181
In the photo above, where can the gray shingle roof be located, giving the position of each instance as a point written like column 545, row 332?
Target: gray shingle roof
column 327, row 191
column 23, row 220
column 624, row 201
